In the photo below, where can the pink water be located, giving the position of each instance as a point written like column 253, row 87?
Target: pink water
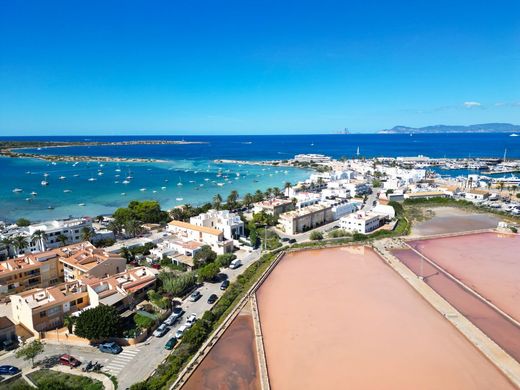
column 340, row 318
column 488, row 263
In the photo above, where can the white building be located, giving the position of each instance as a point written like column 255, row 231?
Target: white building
column 385, row 210
column 339, row 192
column 70, row 228
column 357, row 188
column 360, row 222
column 206, row 235
column 229, row 223
column 340, row 207
column 312, row 158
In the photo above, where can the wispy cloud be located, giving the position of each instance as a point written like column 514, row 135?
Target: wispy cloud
column 508, row 104
column 472, row 104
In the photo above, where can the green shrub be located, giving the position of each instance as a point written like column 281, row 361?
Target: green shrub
column 316, row 236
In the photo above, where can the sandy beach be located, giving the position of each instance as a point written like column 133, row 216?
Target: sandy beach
column 340, row 318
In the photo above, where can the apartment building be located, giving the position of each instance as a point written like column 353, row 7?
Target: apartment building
column 124, row 290
column 206, row 235
column 70, row 228
column 301, row 220
column 33, row 270
column 44, row 269
column 229, row 223
column 273, row 206
column 43, row 309
column 360, row 222
column 84, row 258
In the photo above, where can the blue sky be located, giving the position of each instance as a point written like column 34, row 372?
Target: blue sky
column 243, row 67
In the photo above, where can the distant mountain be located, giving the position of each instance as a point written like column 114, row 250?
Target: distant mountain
column 482, row 128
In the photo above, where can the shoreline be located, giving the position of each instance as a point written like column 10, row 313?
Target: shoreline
column 15, row 152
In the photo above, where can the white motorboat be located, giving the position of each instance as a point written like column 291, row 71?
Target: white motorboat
column 44, row 183
column 17, row 190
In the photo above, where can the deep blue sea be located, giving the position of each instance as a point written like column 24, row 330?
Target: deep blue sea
column 192, row 166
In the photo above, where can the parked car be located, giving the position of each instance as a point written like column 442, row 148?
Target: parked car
column 181, row 331
column 172, row 319
column 161, row 330
column 292, row 241
column 224, row 285
column 191, row 320
column 212, row 299
column 285, row 239
column 9, row 370
column 235, row 264
column 110, row 348
column 156, row 266
column 170, row 343
column 195, row 296
column 177, row 311
column 68, row 360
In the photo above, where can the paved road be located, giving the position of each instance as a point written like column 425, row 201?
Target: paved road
column 152, row 352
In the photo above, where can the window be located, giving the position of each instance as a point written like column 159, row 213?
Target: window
column 79, row 301
column 43, row 314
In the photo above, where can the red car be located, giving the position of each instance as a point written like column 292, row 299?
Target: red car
column 156, row 266
column 68, row 360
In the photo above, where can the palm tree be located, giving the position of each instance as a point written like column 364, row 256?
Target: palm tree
column 62, row 239
column 115, row 227
column 133, row 228
column 87, row 234
column 268, row 192
column 41, row 237
column 69, row 321
column 287, row 186
column 19, row 243
column 259, row 196
column 501, row 186
column 276, row 192
column 7, row 242
column 231, row 200
column 248, row 199
column 217, row 201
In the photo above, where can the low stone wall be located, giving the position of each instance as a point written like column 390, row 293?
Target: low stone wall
column 62, row 336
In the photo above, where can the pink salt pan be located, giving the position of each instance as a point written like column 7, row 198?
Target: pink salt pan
column 342, row 319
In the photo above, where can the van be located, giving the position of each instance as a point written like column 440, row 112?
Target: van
column 235, row 264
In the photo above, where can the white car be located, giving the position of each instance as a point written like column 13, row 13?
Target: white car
column 161, row 330
column 181, row 331
column 191, row 320
column 235, row 264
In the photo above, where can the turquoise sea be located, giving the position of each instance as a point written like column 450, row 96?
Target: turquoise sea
column 193, row 166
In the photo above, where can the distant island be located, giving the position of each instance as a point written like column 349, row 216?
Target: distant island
column 481, row 128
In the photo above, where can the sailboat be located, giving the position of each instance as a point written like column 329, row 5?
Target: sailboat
column 180, row 182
